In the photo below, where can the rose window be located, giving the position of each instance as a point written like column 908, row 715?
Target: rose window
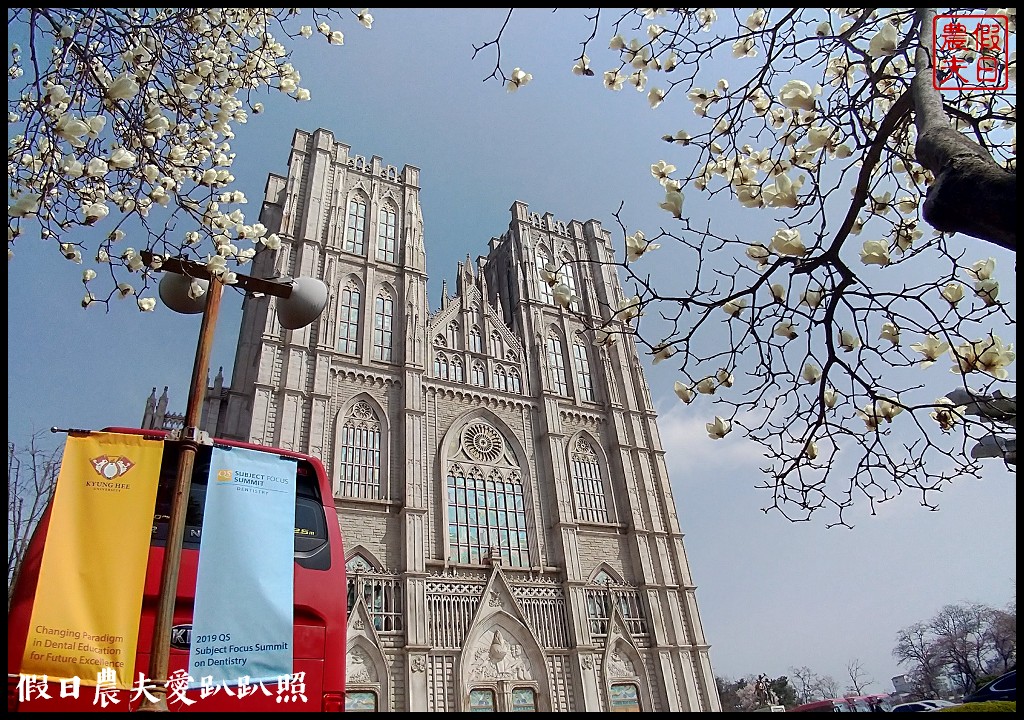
column 482, row 442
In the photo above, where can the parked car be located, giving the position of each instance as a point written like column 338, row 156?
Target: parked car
column 922, row 706
column 1003, row 687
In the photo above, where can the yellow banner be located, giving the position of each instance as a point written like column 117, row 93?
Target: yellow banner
column 85, row 618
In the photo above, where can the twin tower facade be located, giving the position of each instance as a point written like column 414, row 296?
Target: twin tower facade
column 510, row 530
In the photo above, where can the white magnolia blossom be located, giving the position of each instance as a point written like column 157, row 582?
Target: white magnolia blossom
column 637, row 245
column 890, row 332
column 563, row 295
column 785, row 329
column 661, row 170
column 848, row 341
column 811, row 373
column 733, row 308
column 613, row 80
column 673, row 203
column 549, row 274
column 146, row 304
column 518, row 78
column 663, row 351
column 786, row 241
column 759, row 253
column 707, row 386
column 953, row 292
column 831, row 397
column 95, row 212
column 778, row 291
column 987, row 290
column 988, row 355
column 783, row 192
column 884, row 42
column 798, row 95
column 945, row 414
column 875, row 252
column 582, row 66
column 811, row 450
column 724, row 378
column 881, row 410
column 628, row 309
column 982, row 269
column 604, row 338
column 684, row 392
column 719, row 428
column 932, row 348
column 811, row 298
column 365, row 18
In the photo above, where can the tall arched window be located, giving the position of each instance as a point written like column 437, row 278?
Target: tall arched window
column 386, row 223
column 476, row 341
column 452, row 334
column 568, row 272
column 591, row 498
column 584, row 381
column 348, row 322
column 355, row 226
column 500, row 378
column 543, row 289
column 497, row 346
column 383, row 315
column 515, row 384
column 440, row 366
column 556, row 364
column 359, row 466
column 457, row 374
column 486, row 508
column 478, row 375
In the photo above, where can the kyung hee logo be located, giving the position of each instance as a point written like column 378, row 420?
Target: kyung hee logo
column 111, row 467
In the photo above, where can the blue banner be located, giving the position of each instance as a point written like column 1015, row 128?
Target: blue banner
column 243, row 619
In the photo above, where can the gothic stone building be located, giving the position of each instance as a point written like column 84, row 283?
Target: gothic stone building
column 509, row 526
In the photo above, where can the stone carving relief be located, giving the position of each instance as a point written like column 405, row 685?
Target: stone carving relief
column 620, row 666
column 499, row 659
column 360, row 667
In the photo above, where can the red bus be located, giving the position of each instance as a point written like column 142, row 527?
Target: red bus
column 320, row 602
column 829, row 705
column 858, row 703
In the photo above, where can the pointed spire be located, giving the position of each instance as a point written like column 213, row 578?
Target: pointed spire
column 147, row 415
column 445, row 297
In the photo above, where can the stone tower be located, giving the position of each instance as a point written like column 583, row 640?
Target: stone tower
column 510, row 531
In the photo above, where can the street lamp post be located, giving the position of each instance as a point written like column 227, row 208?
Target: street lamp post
column 310, row 303
column 1000, row 410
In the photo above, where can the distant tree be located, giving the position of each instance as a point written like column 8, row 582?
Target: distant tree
column 826, row 130
column 963, row 643
column 1001, row 636
column 828, row 687
column 915, row 649
column 859, row 680
column 728, row 693
column 31, row 478
column 805, row 684
column 784, row 692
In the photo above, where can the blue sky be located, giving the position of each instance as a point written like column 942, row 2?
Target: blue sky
column 772, row 594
